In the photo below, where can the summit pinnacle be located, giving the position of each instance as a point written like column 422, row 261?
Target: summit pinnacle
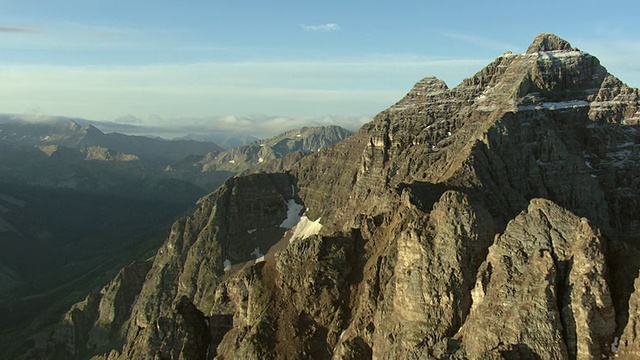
column 548, row 42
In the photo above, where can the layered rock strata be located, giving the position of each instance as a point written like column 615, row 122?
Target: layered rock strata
column 497, row 219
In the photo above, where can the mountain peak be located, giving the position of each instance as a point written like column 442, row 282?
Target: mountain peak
column 548, row 42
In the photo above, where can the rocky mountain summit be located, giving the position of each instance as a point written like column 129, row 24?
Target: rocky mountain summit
column 497, row 219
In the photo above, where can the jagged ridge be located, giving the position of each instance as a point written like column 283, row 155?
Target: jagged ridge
column 518, row 186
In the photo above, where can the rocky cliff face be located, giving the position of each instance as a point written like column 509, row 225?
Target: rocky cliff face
column 497, row 219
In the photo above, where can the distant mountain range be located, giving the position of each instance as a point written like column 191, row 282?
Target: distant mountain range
column 88, row 139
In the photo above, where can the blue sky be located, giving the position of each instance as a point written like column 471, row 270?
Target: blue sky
column 170, row 59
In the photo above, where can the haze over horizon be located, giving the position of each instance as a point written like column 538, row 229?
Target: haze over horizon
column 290, row 61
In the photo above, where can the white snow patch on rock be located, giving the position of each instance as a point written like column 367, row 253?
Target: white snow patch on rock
column 305, row 229
column 487, row 108
column 615, row 344
column 259, row 256
column 293, row 214
column 256, row 252
column 555, row 105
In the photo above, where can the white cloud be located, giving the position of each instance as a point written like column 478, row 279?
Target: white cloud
column 292, row 88
column 321, row 27
column 17, row 29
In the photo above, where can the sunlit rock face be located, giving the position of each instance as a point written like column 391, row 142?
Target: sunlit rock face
column 496, row 219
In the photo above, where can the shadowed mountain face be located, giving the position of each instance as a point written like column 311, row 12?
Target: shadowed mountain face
column 497, row 219
column 77, row 204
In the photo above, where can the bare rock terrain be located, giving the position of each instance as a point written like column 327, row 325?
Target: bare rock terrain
column 494, row 220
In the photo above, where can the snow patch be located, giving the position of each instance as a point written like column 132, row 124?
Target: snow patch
column 251, row 231
column 554, row 55
column 487, row 108
column 259, row 256
column 615, row 344
column 555, row 105
column 232, row 161
column 305, row 229
column 256, row 252
column 607, row 103
column 293, row 214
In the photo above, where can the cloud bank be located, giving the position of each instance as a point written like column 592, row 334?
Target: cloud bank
column 292, row 88
column 322, row 27
column 17, row 29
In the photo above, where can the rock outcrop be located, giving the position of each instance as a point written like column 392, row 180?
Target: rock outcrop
column 490, row 220
column 542, row 291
